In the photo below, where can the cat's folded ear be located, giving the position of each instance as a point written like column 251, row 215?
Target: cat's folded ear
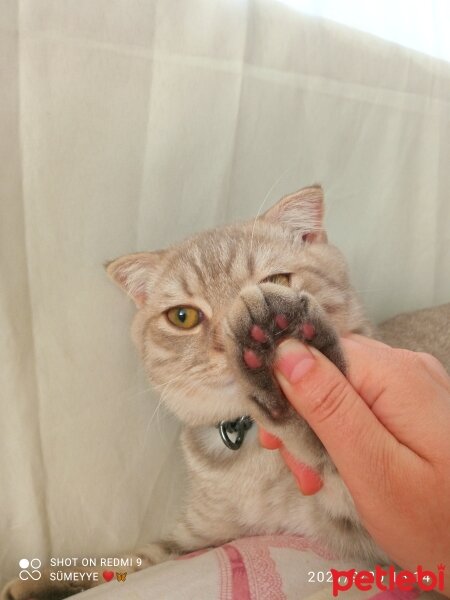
column 301, row 212
column 135, row 273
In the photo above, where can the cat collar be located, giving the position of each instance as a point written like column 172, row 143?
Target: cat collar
column 239, row 426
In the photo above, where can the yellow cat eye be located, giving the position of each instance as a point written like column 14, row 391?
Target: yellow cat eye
column 185, row 317
column 279, row 278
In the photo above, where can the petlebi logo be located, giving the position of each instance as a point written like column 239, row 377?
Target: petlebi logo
column 388, row 579
column 30, row 569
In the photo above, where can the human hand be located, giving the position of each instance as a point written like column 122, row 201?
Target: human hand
column 387, row 430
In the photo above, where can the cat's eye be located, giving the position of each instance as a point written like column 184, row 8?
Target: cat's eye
column 185, row 317
column 279, row 278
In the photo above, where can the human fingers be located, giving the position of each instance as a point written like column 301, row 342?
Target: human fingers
column 405, row 390
column 327, row 401
column 434, row 366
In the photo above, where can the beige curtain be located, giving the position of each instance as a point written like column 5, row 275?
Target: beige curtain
column 127, row 125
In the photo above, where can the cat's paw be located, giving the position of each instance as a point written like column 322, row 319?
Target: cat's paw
column 263, row 316
column 44, row 588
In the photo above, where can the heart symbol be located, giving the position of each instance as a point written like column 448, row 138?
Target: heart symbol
column 108, row 575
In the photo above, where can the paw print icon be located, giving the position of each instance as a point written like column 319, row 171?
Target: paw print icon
column 30, row 569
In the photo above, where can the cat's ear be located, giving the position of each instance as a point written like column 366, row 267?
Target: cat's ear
column 134, row 273
column 301, row 212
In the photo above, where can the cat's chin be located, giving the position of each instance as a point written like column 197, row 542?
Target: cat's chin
column 208, row 406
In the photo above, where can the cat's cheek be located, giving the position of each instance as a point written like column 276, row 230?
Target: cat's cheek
column 208, row 406
column 138, row 331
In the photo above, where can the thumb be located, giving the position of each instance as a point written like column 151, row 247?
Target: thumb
column 342, row 420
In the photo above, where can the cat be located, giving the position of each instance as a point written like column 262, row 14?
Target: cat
column 210, row 313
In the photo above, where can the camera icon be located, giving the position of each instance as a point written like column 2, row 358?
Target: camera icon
column 30, row 569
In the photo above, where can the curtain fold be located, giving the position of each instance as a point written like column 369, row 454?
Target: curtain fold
column 128, row 126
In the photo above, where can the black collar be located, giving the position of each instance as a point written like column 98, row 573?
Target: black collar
column 239, row 426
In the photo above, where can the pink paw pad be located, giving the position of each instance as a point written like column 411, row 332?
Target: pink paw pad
column 258, row 334
column 308, row 331
column 251, row 359
column 281, row 322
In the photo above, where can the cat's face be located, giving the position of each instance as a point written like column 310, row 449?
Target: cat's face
column 184, row 295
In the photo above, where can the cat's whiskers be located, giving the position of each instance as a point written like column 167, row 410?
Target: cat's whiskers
column 170, row 385
column 158, row 406
column 202, row 376
column 185, row 388
column 191, row 385
column 145, row 390
column 178, row 376
column 277, row 181
column 165, row 387
column 158, row 423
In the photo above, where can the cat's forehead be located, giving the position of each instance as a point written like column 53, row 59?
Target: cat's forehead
column 232, row 252
column 216, row 263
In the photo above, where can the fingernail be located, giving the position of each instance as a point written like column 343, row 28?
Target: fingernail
column 293, row 360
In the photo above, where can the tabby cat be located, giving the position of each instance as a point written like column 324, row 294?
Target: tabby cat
column 211, row 311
